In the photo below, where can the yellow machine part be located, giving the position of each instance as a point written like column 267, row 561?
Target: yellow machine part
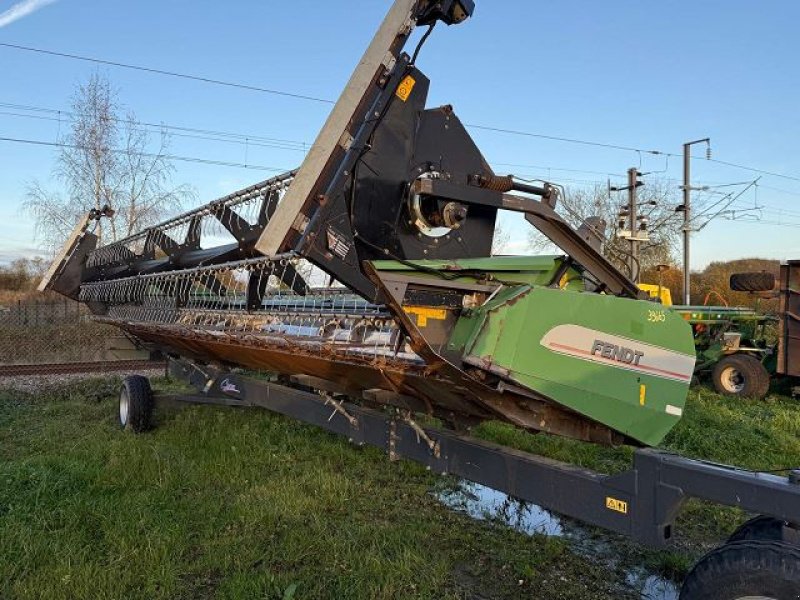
column 657, row 292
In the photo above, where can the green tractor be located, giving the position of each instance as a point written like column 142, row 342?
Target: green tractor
column 743, row 348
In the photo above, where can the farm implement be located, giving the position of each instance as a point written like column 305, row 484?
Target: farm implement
column 362, row 287
column 743, row 348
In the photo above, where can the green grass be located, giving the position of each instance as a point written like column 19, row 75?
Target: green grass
column 223, row 503
column 241, row 504
column 754, row 434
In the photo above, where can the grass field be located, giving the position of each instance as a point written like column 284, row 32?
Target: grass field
column 222, row 503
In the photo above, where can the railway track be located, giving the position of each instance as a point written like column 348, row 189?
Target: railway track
column 81, row 367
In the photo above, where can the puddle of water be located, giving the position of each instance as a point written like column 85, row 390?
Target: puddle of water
column 481, row 502
column 486, row 504
column 652, row 587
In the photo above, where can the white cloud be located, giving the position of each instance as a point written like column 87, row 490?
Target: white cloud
column 22, row 9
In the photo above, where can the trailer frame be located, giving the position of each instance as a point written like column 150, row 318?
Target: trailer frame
column 641, row 503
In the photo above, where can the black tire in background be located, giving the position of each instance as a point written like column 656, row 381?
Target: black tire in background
column 746, row 569
column 766, row 529
column 740, row 375
column 135, row 404
column 752, row 282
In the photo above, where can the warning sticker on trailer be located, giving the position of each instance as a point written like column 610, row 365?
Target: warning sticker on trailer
column 616, row 505
column 406, row 87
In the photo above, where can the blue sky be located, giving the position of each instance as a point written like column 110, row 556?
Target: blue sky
column 641, row 74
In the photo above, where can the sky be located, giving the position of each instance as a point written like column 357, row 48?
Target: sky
column 647, row 75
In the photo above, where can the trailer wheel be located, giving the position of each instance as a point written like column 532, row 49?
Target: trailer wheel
column 766, row 529
column 745, row 570
column 740, row 375
column 752, row 282
column 135, row 404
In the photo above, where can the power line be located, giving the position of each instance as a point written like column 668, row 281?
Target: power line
column 528, row 177
column 210, row 80
column 779, row 190
column 247, row 140
column 752, row 169
column 212, row 136
column 568, row 140
column 566, row 170
column 731, row 201
column 242, row 137
column 192, row 159
column 758, row 221
column 199, row 78
column 160, row 125
column 773, row 210
column 629, row 149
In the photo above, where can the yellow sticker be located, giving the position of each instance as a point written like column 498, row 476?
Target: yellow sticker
column 619, row 506
column 642, row 394
column 405, row 88
column 423, row 313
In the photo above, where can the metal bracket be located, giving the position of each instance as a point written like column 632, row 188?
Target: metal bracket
column 338, row 407
column 393, row 437
column 432, row 444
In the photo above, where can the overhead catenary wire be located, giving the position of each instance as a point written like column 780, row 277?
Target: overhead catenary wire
column 567, row 140
column 725, row 207
column 193, row 159
column 277, row 143
column 764, row 222
column 200, row 78
column 753, row 169
column 245, row 140
column 56, row 115
column 207, row 161
column 495, row 129
column 147, row 127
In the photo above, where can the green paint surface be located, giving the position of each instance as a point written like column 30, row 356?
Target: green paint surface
column 509, row 334
column 506, row 334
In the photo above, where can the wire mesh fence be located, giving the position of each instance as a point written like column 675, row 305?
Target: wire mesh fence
column 41, row 335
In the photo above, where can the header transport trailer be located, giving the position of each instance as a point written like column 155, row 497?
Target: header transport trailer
column 362, row 286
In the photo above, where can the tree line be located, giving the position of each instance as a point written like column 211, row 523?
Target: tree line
column 22, row 274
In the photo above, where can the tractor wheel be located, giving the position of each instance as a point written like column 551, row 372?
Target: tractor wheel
column 752, row 282
column 748, row 569
column 135, row 404
column 740, row 375
column 766, row 529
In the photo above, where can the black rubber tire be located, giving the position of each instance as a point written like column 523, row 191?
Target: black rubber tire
column 753, row 568
column 137, row 416
column 752, row 282
column 753, row 375
column 766, row 529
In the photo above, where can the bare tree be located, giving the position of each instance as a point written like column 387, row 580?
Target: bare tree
column 105, row 160
column 657, row 201
column 502, row 236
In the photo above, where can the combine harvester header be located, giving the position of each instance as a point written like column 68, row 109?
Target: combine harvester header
column 370, row 267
